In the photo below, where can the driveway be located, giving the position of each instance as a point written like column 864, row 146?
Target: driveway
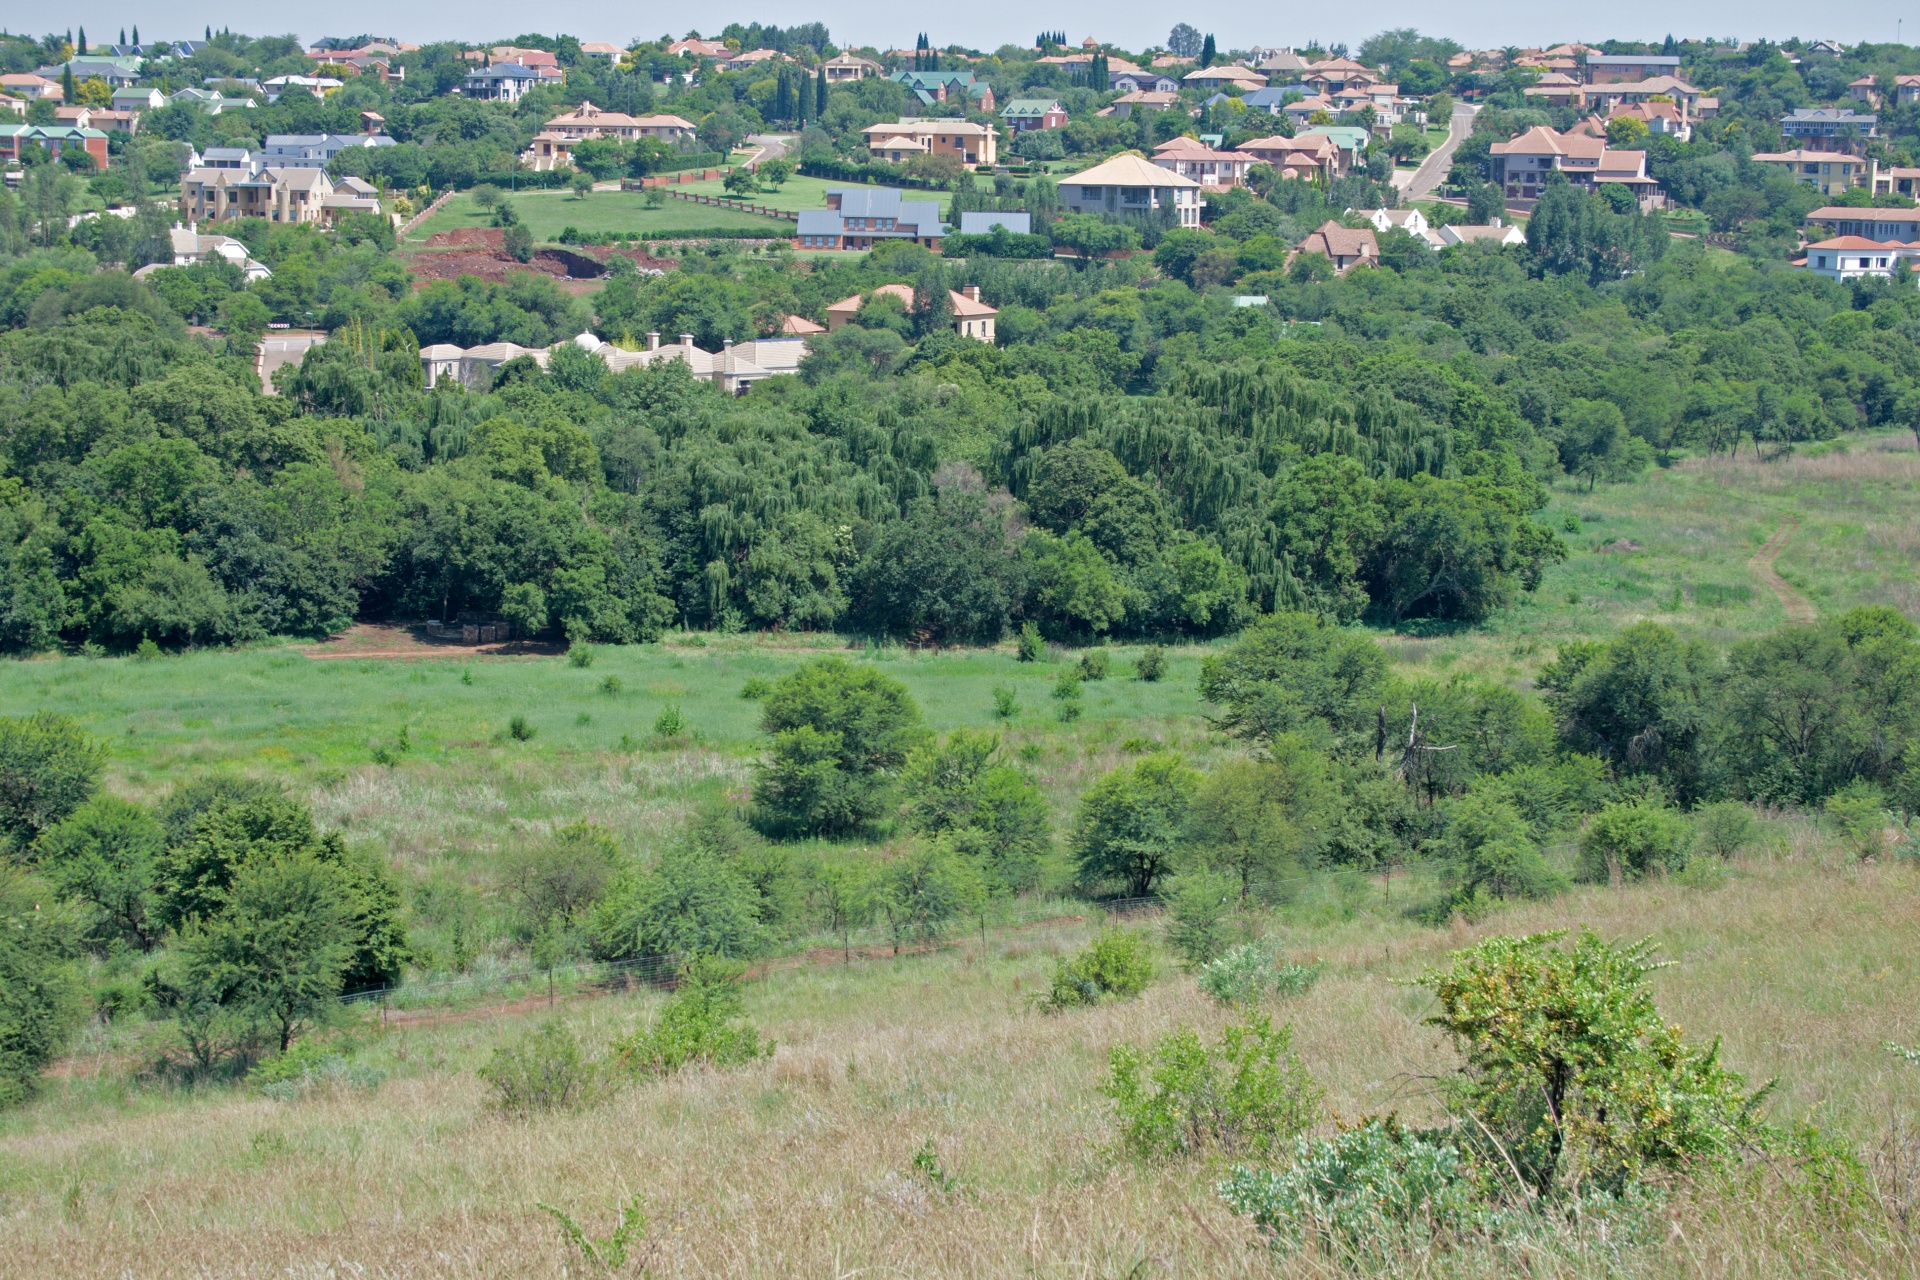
column 284, row 347
column 1433, row 170
column 769, row 146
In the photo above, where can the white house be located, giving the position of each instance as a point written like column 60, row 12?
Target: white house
column 1846, row 258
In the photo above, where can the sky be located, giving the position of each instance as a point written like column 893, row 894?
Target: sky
column 986, row 24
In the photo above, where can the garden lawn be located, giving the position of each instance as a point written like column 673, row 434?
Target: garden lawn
column 547, row 213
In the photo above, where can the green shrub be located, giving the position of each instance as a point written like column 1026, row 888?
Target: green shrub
column 580, row 654
column 1094, row 664
column 520, row 730
column 1633, row 839
column 1722, row 829
column 1361, row 1197
column 609, row 1254
column 1006, row 703
column 39, row 999
column 1241, row 976
column 698, row 1025
column 1858, row 812
column 543, row 1070
column 1031, row 648
column 1067, row 712
column 611, row 686
column 670, row 723
column 48, row 768
column 146, row 650
column 1117, row 963
column 1243, row 1095
column 1199, row 905
column 1571, row 1074
column 1151, row 665
column 756, row 688
column 1066, row 685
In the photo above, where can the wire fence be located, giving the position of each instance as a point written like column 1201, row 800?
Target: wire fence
column 663, row 971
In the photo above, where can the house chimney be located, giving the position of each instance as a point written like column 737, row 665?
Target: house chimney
column 973, row 292
column 726, row 344
column 653, row 340
column 1494, row 222
column 686, row 340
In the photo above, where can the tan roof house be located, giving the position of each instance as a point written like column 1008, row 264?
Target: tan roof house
column 1194, row 159
column 1229, row 77
column 1521, row 165
column 847, row 67
column 972, row 318
column 1345, row 247
column 1828, row 172
column 965, row 141
column 1129, row 183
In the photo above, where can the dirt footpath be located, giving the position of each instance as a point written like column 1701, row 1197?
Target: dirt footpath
column 1798, row 610
column 386, row 640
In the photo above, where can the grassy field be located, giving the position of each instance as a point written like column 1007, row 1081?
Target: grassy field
column 797, row 192
column 546, row 213
column 803, row 1165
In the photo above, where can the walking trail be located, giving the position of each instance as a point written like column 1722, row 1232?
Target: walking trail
column 1798, row 610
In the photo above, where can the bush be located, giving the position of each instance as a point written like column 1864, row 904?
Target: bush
column 756, row 689
column 1131, row 823
column 1722, row 829
column 1572, row 1072
column 1859, row 815
column 840, row 732
column 1247, row 973
column 1117, row 963
column 1362, row 1196
column 1630, row 840
column 1244, row 1095
column 1006, row 703
column 520, row 730
column 1031, row 648
column 580, row 654
column 48, row 768
column 544, row 1070
column 670, row 723
column 39, row 999
column 1199, row 905
column 697, row 1025
column 1151, row 665
column 1094, row 664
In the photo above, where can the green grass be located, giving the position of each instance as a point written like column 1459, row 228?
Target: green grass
column 547, row 212
column 796, row 193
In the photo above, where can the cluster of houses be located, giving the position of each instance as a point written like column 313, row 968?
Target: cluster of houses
column 285, row 180
column 734, row 368
column 552, row 147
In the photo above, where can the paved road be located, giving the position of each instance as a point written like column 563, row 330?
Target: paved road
column 279, row 348
column 1433, row 170
column 770, row 146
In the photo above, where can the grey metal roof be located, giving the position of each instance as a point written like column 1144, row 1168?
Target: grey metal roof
column 980, row 224
column 869, row 202
column 818, row 222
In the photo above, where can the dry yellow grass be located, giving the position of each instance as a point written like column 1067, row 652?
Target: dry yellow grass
column 802, row 1166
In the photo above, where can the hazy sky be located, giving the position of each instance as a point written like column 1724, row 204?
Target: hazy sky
column 985, row 24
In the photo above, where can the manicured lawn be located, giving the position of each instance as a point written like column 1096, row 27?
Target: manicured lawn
column 546, row 213
column 798, row 192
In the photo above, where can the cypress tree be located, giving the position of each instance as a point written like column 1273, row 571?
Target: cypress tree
column 123, row 36
column 68, row 94
column 83, row 42
column 1207, row 51
column 136, row 33
column 820, row 96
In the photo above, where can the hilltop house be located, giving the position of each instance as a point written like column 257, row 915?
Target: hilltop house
column 734, row 368
column 55, row 139
column 860, row 217
column 260, row 188
column 1612, row 68
column 972, row 318
column 1024, row 115
column 1521, row 165
column 845, row 68
column 966, row 142
column 1831, row 173
column 1130, row 184
column 1191, row 158
column 503, row 82
column 1345, row 247
column 1845, row 258
column 945, row 86
column 1829, row 128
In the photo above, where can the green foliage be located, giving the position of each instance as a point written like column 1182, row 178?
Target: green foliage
column 1118, row 963
column 695, row 900
column 1641, row 702
column 609, row 1254
column 39, row 998
column 1131, row 821
column 698, row 1025
column 1200, row 904
column 279, row 951
column 544, row 1069
column 48, row 768
column 107, row 854
column 1633, row 839
column 1492, row 857
column 1256, row 819
column 840, row 734
column 924, row 890
column 670, row 724
column 1722, row 829
column 1858, row 812
column 1094, row 664
column 580, row 655
column 520, row 729
column 1247, row 973
column 756, row 688
column 1292, row 672
column 1246, row 1094
column 1151, row 665
column 1006, row 702
column 1364, row 1196
column 1032, row 647
column 962, row 786
column 1572, row 1072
